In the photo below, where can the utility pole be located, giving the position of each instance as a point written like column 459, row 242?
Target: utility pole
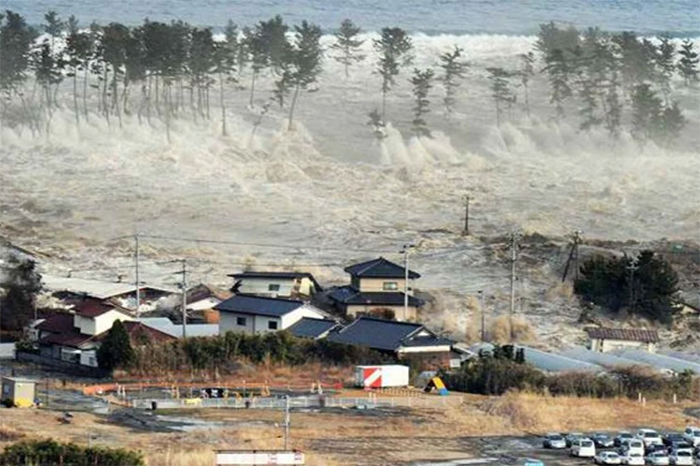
column 631, row 268
column 405, row 250
column 138, row 285
column 514, row 240
column 577, row 241
column 483, row 316
column 573, row 256
column 184, row 298
column 287, row 422
column 467, row 198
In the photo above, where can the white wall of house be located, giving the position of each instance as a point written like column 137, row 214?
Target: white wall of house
column 424, row 349
column 246, row 323
column 399, row 312
column 383, row 285
column 258, row 324
column 88, row 358
column 601, row 345
column 299, row 313
column 99, row 324
column 276, row 287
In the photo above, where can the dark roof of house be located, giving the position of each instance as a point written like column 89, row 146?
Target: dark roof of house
column 136, row 330
column 57, row 323
column 626, row 334
column 385, row 334
column 379, row 268
column 429, row 340
column 312, row 328
column 349, row 295
column 93, row 307
column 72, row 338
column 258, row 305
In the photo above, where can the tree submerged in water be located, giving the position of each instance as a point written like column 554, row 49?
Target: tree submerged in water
column 646, row 285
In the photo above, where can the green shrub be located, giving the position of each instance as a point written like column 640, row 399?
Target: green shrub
column 51, row 453
column 228, row 350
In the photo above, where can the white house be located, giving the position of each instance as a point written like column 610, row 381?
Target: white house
column 74, row 337
column 297, row 285
column 604, row 339
column 257, row 315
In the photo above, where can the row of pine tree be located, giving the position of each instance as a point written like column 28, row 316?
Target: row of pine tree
column 166, row 71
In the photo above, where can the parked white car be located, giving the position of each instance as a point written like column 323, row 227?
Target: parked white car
column 607, row 457
column 658, row 458
column 554, row 441
column 632, row 459
column 632, row 446
column 681, row 458
column 649, row 437
column 692, row 435
column 583, row 448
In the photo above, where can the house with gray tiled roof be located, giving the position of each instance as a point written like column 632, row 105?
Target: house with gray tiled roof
column 256, row 314
column 405, row 340
column 378, row 287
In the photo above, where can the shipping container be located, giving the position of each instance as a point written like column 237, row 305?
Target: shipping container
column 381, row 376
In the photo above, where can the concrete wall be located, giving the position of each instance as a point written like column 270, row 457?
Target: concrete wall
column 410, row 316
column 603, row 346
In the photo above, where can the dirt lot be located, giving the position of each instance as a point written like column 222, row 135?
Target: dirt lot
column 502, row 429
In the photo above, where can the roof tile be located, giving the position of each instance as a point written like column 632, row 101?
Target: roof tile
column 625, row 334
column 380, row 268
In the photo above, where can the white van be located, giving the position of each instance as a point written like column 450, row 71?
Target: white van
column 692, row 435
column 633, row 446
column 649, row 437
column 583, row 448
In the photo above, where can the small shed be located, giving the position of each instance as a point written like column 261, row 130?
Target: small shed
column 611, row 339
column 18, row 392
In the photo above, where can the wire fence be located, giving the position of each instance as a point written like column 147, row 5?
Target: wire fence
column 300, row 402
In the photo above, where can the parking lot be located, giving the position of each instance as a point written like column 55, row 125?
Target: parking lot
column 515, row 450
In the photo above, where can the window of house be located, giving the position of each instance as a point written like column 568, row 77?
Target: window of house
column 272, row 324
column 241, row 321
column 273, row 287
column 391, row 286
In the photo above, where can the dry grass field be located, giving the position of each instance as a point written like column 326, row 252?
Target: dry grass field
column 352, row 437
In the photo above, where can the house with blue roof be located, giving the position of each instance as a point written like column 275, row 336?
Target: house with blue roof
column 378, row 287
column 257, row 314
